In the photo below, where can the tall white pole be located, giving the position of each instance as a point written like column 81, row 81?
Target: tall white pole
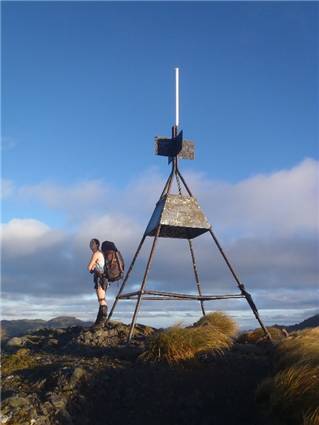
column 177, row 96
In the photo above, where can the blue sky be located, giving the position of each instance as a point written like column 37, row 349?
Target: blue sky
column 87, row 85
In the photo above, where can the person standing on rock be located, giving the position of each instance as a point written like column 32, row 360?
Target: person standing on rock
column 96, row 267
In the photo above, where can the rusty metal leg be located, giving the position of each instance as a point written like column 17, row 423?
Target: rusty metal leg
column 143, row 284
column 127, row 276
column 196, row 275
column 241, row 287
column 167, row 184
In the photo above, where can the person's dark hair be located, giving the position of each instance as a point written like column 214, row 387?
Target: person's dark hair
column 96, row 242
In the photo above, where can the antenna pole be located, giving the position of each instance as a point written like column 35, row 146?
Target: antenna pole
column 177, row 97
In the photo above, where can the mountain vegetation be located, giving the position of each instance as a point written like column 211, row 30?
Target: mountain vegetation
column 11, row 328
column 293, row 392
column 205, row 374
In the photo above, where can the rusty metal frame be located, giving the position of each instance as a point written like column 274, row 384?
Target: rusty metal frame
column 127, row 276
column 143, row 283
column 159, row 295
column 241, row 286
column 196, row 277
column 152, row 295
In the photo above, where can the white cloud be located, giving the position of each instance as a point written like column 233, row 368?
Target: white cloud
column 7, row 188
column 284, row 202
column 267, row 224
column 76, row 200
column 22, row 237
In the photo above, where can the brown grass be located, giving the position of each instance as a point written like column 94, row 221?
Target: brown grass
column 293, row 393
column 296, row 390
column 22, row 359
column 311, row 418
column 221, row 321
column 253, row 337
column 301, row 347
column 177, row 344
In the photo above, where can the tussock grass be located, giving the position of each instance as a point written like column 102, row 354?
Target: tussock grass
column 301, row 347
column 293, row 393
column 311, row 418
column 221, row 321
column 22, row 359
column 253, row 337
column 177, row 344
column 296, row 390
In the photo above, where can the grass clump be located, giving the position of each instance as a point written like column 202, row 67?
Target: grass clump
column 221, row 321
column 293, row 393
column 311, row 418
column 177, row 344
column 302, row 348
column 253, row 337
column 22, row 359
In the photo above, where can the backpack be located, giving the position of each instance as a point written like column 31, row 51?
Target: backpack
column 114, row 263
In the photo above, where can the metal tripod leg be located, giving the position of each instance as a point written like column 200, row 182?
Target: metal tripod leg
column 127, row 276
column 241, row 287
column 196, row 275
column 178, row 173
column 143, row 284
column 166, row 190
column 167, row 184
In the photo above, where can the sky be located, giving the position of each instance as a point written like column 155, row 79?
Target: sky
column 86, row 86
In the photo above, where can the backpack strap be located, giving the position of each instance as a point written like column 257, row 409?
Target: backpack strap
column 119, row 262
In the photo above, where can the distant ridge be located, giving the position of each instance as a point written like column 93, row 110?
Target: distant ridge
column 11, row 328
column 65, row 321
column 311, row 322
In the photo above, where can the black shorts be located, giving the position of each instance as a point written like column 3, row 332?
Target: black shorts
column 100, row 281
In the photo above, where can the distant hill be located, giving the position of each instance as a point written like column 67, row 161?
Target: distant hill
column 311, row 322
column 11, row 328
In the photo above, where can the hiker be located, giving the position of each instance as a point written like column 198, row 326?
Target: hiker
column 96, row 267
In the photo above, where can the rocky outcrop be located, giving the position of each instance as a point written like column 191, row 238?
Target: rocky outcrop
column 78, row 340
column 43, row 371
column 87, row 376
column 12, row 328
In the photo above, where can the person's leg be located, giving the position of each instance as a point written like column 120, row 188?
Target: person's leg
column 102, row 314
column 100, row 297
column 100, row 293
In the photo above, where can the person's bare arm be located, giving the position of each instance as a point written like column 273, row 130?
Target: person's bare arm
column 93, row 261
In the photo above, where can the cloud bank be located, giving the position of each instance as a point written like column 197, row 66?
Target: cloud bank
column 267, row 224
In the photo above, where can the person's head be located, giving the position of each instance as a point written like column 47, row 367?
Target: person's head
column 94, row 244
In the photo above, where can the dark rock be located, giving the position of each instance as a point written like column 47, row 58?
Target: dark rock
column 53, row 342
column 248, row 349
column 64, row 417
column 16, row 342
column 113, row 334
column 74, row 377
column 57, row 401
column 16, row 401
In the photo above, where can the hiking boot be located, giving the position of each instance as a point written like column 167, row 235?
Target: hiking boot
column 101, row 317
column 104, row 313
column 98, row 317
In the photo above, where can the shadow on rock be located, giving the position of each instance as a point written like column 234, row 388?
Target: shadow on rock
column 83, row 376
column 216, row 390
